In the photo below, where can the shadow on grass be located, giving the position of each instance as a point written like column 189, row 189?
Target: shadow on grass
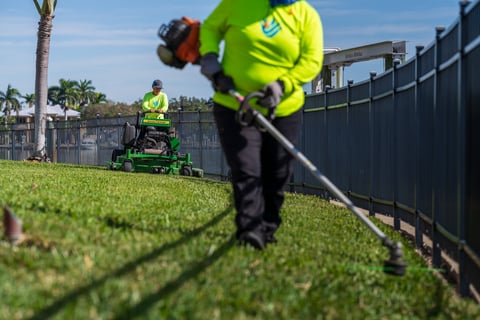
column 172, row 286
column 56, row 306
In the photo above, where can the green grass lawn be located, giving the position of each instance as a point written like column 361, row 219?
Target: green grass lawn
column 103, row 244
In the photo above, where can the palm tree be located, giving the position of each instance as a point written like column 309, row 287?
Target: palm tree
column 46, row 12
column 9, row 101
column 86, row 92
column 99, row 98
column 29, row 99
column 66, row 95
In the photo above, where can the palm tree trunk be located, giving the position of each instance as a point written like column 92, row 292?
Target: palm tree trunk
column 41, row 83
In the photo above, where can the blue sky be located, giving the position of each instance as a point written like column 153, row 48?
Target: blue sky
column 113, row 43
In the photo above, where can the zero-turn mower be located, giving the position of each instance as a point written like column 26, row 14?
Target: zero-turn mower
column 152, row 146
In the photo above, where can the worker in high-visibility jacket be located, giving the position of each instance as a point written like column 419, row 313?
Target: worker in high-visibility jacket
column 272, row 46
column 155, row 102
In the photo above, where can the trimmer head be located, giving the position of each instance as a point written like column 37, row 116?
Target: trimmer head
column 395, row 265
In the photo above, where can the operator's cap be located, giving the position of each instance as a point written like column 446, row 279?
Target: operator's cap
column 157, row 84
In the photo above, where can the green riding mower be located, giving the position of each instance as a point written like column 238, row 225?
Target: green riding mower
column 151, row 146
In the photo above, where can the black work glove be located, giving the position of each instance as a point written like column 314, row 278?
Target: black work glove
column 212, row 69
column 209, row 65
column 222, row 82
column 273, row 93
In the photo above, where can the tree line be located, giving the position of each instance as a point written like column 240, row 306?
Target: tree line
column 112, row 109
column 81, row 96
column 68, row 94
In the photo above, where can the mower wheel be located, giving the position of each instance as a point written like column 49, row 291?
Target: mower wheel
column 127, row 166
column 186, row 171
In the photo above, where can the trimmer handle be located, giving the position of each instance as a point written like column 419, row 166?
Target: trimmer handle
column 246, row 114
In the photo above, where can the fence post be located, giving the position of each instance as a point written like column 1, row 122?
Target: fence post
column 461, row 153
column 56, row 142
column 119, row 132
column 200, row 134
column 349, row 130
column 53, row 138
column 179, row 129
column 325, row 121
column 436, row 250
column 371, row 133
column 79, row 141
column 12, row 141
column 396, row 217
column 418, row 229
column 98, row 138
column 22, row 143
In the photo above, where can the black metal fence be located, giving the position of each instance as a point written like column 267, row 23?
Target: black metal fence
column 91, row 142
column 405, row 144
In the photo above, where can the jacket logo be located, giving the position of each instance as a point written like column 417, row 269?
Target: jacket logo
column 271, row 28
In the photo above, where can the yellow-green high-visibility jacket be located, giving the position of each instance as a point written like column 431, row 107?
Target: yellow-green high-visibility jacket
column 155, row 102
column 264, row 44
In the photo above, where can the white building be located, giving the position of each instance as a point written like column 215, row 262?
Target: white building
column 54, row 112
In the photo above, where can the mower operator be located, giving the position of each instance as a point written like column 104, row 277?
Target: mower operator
column 155, row 101
column 272, row 46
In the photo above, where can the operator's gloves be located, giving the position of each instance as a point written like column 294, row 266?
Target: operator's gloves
column 212, row 69
column 273, row 93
